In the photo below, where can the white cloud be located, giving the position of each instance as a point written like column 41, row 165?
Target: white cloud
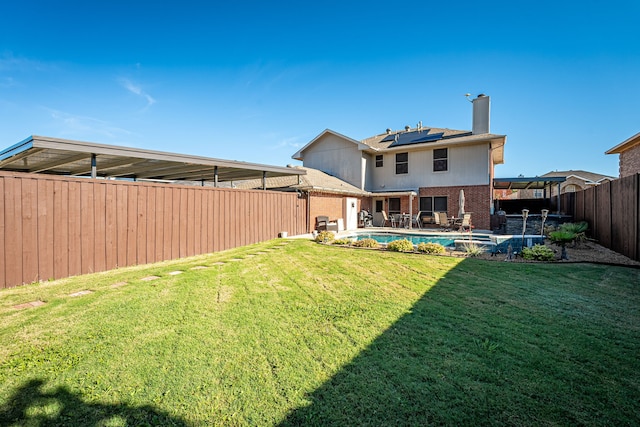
column 291, row 142
column 9, row 62
column 137, row 90
column 82, row 126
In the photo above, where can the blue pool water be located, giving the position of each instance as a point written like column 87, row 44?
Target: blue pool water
column 495, row 244
column 444, row 240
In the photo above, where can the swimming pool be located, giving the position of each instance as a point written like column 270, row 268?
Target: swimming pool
column 446, row 240
column 453, row 241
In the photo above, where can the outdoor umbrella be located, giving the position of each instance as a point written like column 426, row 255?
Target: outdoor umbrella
column 461, row 204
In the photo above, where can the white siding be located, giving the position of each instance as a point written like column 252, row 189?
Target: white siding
column 335, row 156
column 467, row 165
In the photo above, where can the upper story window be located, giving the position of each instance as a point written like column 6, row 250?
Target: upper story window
column 379, row 161
column 402, row 163
column 440, row 160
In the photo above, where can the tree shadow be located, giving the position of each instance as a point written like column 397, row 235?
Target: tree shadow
column 63, row 408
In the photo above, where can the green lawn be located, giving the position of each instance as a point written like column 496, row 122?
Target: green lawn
column 307, row 334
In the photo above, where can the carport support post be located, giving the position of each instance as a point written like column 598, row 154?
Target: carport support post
column 215, row 176
column 94, row 169
column 264, row 180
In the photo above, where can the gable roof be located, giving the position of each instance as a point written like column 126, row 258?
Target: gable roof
column 588, row 177
column 312, row 180
column 298, row 155
column 625, row 145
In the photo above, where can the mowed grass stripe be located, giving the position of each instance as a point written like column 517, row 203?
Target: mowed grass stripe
column 318, row 335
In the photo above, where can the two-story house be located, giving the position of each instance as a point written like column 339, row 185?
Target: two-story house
column 416, row 169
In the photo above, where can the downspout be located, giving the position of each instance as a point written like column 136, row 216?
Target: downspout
column 309, row 212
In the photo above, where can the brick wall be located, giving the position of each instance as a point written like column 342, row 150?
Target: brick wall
column 331, row 205
column 477, row 201
column 630, row 162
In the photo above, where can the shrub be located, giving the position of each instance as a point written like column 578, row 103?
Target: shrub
column 343, row 241
column 402, row 245
column 472, row 250
column 578, row 229
column 366, row 243
column 431, row 248
column 325, row 236
column 538, row 253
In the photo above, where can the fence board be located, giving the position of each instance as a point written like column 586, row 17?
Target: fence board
column 159, row 234
column 132, row 225
column 60, row 229
column 590, row 211
column 197, row 221
column 45, row 230
column 141, row 228
column 29, row 230
column 74, row 224
column 208, row 221
column 99, row 220
column 175, row 224
column 122, row 227
column 87, row 228
column 168, row 222
column 13, row 231
column 603, row 213
column 217, row 225
column 150, row 241
column 111, row 226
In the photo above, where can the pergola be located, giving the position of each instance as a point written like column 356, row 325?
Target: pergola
column 531, row 183
column 38, row 154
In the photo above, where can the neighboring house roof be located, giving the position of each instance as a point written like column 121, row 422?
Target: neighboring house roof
column 419, row 138
column 625, row 145
column 314, row 180
column 587, row 177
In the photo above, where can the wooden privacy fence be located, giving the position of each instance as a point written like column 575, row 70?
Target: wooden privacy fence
column 53, row 227
column 612, row 210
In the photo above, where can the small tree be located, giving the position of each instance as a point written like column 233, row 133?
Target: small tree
column 562, row 238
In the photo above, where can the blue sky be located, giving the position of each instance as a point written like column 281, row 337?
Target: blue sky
column 255, row 81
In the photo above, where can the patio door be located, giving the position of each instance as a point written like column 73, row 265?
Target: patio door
column 378, row 207
column 352, row 213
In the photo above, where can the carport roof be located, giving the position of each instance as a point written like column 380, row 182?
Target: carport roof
column 522, row 183
column 40, row 154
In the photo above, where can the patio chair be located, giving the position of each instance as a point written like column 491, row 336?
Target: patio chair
column 385, row 219
column 466, row 222
column 396, row 220
column 417, row 220
column 444, row 221
column 325, row 225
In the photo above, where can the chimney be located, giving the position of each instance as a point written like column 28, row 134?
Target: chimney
column 481, row 107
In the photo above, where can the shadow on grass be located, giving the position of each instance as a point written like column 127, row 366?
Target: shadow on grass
column 405, row 377
column 30, row 406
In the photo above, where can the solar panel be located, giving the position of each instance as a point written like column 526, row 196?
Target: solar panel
column 429, row 137
column 409, row 138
